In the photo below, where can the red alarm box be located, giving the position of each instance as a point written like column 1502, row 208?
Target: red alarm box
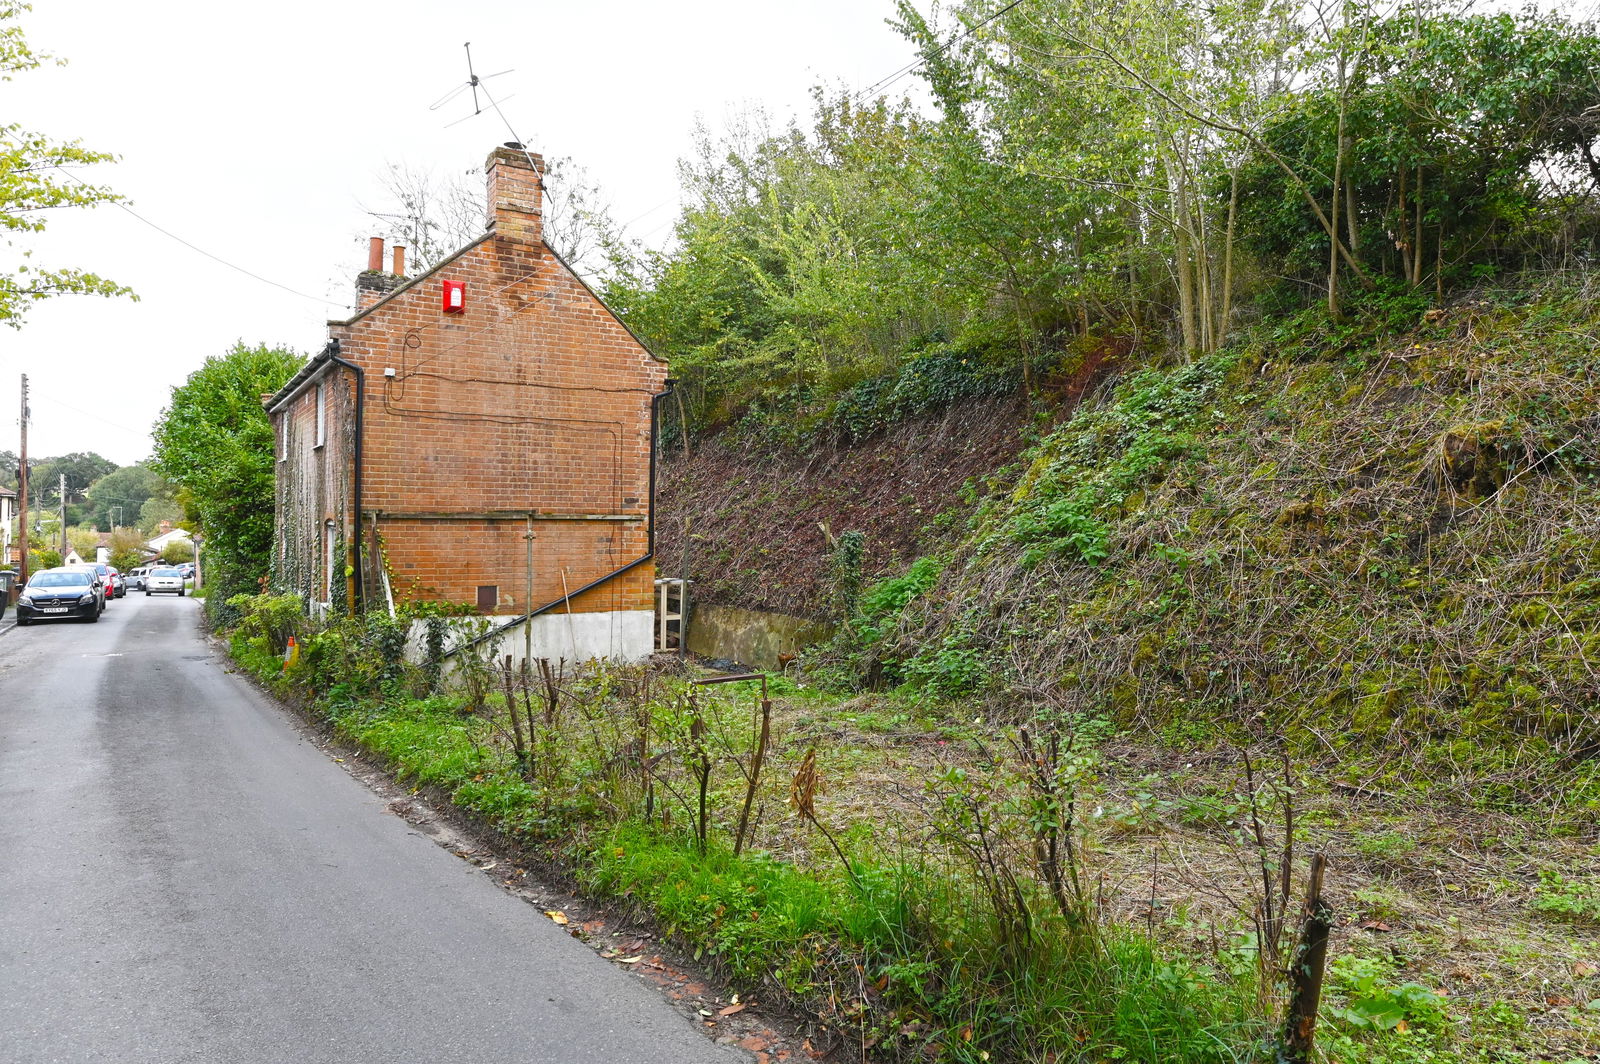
column 455, row 297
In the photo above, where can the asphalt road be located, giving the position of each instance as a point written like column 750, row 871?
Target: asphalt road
column 183, row 877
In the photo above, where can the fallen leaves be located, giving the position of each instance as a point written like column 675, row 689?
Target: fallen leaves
column 557, row 917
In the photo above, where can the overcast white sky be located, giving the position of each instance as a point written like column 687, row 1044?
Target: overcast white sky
column 258, row 131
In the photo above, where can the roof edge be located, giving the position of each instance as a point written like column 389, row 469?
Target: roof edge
column 412, row 283
column 303, row 377
column 587, row 287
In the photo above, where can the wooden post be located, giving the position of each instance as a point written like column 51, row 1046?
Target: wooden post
column 756, row 758
column 1305, row 977
column 702, row 767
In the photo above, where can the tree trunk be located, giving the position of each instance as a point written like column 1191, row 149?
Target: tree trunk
column 1227, row 254
column 1333, row 206
column 1416, row 244
column 1305, row 977
column 1400, row 228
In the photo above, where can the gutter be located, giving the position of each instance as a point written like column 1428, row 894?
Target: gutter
column 648, row 556
column 306, row 374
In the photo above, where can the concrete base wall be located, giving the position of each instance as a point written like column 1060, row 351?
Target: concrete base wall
column 751, row 637
column 622, row 635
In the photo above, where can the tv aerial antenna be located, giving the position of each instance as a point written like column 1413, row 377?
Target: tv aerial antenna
column 473, row 83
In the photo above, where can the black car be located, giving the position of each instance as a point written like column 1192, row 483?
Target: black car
column 59, row 594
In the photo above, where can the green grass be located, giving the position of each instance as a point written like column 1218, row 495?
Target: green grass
column 906, row 951
column 924, row 945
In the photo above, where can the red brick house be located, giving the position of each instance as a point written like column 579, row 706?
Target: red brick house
column 482, row 434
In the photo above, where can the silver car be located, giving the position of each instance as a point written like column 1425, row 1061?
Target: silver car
column 163, row 580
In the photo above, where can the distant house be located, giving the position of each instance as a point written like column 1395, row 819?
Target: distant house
column 168, row 535
column 481, row 435
column 8, row 511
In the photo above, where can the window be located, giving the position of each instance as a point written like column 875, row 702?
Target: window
column 488, row 597
column 322, row 416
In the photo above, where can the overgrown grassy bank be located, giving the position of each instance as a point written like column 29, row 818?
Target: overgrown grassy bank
column 927, row 940
column 944, row 887
column 1375, row 537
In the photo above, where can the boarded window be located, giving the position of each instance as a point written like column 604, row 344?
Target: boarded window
column 328, row 537
column 488, row 597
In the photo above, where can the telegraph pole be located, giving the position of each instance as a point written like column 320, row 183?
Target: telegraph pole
column 22, row 492
column 64, row 545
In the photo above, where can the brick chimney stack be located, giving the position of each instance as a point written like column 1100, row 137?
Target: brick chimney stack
column 372, row 284
column 515, row 204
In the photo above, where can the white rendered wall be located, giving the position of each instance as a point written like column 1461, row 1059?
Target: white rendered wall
column 621, row 635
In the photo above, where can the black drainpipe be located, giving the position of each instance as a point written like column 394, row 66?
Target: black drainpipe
column 650, row 541
column 361, row 392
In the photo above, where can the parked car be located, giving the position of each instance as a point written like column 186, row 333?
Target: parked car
column 118, row 584
column 60, row 594
column 136, row 577
column 102, row 584
column 163, row 580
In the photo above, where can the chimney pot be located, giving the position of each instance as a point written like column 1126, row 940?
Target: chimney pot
column 375, row 254
column 399, row 260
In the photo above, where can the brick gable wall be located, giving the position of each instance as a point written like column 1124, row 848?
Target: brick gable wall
column 535, row 399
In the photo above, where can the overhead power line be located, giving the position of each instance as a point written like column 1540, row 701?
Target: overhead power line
column 889, row 79
column 202, row 251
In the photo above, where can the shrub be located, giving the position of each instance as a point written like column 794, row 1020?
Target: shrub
column 272, row 618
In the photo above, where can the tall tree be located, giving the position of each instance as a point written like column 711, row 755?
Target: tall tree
column 32, row 182
column 117, row 498
column 80, row 468
column 214, row 439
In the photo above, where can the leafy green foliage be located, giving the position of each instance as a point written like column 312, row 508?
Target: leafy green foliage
column 1151, row 170
column 274, row 619
column 928, row 380
column 1464, row 132
column 32, row 184
column 127, row 548
column 1102, row 456
column 119, row 496
column 1373, row 1002
column 82, row 469
column 854, row 655
column 891, row 595
column 1575, row 901
column 214, row 440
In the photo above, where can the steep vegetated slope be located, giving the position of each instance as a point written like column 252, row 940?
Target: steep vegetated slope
column 899, row 459
column 760, row 515
column 1379, row 535
column 1335, row 509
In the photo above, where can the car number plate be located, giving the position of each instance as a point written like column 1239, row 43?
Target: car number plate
column 54, row 609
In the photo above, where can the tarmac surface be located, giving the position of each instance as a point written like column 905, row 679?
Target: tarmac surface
column 184, row 876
